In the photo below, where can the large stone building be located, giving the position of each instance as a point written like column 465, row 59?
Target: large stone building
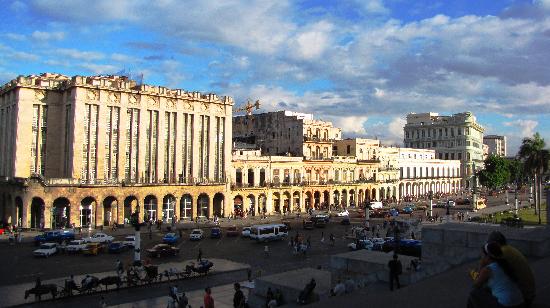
column 287, row 133
column 455, row 137
column 92, row 150
column 496, row 144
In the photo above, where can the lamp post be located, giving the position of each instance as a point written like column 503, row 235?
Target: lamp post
column 516, row 197
column 431, row 197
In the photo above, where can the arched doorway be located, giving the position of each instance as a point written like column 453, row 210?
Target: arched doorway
column 86, row 207
column 277, row 202
column 336, row 198
column 110, row 205
column 373, row 194
column 186, row 206
column 286, row 202
column 61, row 213
column 37, row 213
column 317, row 199
column 168, row 208
column 218, row 207
column 238, row 209
column 150, row 207
column 344, row 198
column 262, row 204
column 251, row 204
column 130, row 205
column 382, row 196
column 296, row 201
column 326, row 198
column 19, row 211
column 351, row 197
column 309, row 197
column 203, row 202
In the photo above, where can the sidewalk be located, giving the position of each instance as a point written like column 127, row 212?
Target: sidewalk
column 14, row 294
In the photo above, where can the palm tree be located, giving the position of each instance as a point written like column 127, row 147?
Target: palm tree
column 536, row 159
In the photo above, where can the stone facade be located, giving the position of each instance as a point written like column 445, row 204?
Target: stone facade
column 458, row 137
column 73, row 147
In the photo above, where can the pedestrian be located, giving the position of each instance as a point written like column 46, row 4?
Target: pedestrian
column 308, row 241
column 332, row 239
column 208, row 300
column 180, row 233
column 199, row 257
column 119, row 268
column 102, row 302
column 412, row 235
column 173, row 292
column 322, row 237
column 396, row 268
column 239, row 300
column 183, row 301
column 266, row 251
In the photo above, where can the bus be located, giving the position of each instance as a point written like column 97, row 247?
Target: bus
column 272, row 232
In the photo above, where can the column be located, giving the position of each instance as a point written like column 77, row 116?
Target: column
column 161, row 156
column 177, row 207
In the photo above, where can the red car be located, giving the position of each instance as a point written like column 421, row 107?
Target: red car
column 232, row 231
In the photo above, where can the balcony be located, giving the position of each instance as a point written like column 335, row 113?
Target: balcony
column 317, row 139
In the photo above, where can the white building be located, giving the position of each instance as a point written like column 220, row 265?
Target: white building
column 496, row 144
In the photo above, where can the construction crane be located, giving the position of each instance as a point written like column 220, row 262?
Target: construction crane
column 249, row 107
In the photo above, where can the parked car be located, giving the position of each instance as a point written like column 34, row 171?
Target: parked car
column 162, row 250
column 117, row 247
column 408, row 210
column 308, row 225
column 245, row 232
column 321, row 216
column 75, row 246
column 57, row 236
column 377, row 243
column 452, row 203
column 376, row 205
column 46, row 250
column 93, row 249
column 406, row 247
column 320, row 223
column 170, row 238
column 196, row 235
column 343, row 213
column 99, row 237
column 394, row 212
column 232, row 231
column 216, row 233
column 361, row 244
column 130, row 241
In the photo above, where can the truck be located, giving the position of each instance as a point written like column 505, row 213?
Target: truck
column 58, row 236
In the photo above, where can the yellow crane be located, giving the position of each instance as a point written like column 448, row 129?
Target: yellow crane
column 249, row 107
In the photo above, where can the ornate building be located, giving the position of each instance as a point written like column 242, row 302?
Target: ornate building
column 456, row 137
column 92, row 150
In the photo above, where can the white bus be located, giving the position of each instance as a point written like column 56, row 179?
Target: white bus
column 264, row 233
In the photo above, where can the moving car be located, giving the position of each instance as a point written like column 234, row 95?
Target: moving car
column 75, row 246
column 99, row 237
column 45, row 250
column 343, row 213
column 232, row 231
column 117, row 247
column 170, row 238
column 196, row 235
column 216, row 233
column 130, row 241
column 361, row 244
column 162, row 250
column 54, row 236
column 246, row 231
column 92, row 249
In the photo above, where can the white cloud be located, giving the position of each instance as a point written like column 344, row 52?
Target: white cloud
column 526, row 127
column 351, row 125
column 48, row 36
column 311, row 43
column 79, row 54
column 15, row 36
column 99, row 68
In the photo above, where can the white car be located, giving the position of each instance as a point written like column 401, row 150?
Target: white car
column 196, row 235
column 376, row 205
column 75, row 246
column 363, row 244
column 343, row 213
column 46, row 250
column 99, row 238
column 130, row 241
column 246, row 232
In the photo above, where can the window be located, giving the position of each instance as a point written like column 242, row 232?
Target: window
column 446, row 155
column 452, row 155
column 459, row 155
column 348, row 150
column 440, row 155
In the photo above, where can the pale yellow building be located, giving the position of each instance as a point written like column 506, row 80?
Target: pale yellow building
column 92, row 150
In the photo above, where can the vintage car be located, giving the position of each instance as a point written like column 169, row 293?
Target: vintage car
column 54, row 236
column 343, row 213
column 215, row 232
column 99, row 237
column 170, row 238
column 117, row 247
column 93, row 249
column 245, row 232
column 232, row 231
column 75, row 246
column 46, row 250
column 196, row 235
column 130, row 240
column 162, row 250
column 308, row 225
column 361, row 244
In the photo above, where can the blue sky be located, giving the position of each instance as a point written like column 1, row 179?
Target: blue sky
column 362, row 64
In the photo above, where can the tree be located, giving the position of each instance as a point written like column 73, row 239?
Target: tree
column 535, row 159
column 517, row 172
column 496, row 173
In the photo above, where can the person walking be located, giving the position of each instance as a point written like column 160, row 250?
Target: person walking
column 119, row 268
column 332, row 239
column 266, row 251
column 183, row 301
column 239, row 300
column 396, row 268
column 322, row 237
column 208, row 300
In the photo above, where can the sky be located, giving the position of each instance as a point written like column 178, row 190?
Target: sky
column 362, row 64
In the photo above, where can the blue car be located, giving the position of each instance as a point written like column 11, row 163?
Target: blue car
column 117, row 247
column 171, row 238
column 215, row 233
column 408, row 210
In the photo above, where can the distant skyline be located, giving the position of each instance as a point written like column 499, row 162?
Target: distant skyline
column 363, row 64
